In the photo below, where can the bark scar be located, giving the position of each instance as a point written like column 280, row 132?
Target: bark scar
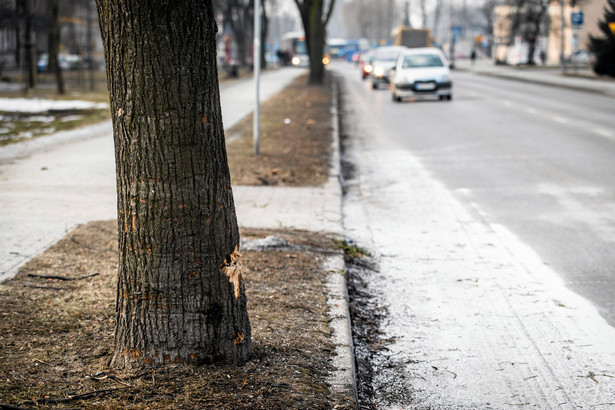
column 232, row 269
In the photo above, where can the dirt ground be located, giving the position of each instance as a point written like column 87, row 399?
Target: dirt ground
column 57, row 315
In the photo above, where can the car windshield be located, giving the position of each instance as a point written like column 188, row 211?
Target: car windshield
column 422, row 60
column 386, row 55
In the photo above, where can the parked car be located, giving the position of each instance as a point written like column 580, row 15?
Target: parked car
column 384, row 61
column 66, row 61
column 582, row 57
column 422, row 71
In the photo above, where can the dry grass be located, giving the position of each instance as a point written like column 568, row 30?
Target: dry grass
column 291, row 154
column 55, row 335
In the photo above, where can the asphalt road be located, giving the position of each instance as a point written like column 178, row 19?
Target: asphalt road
column 492, row 220
column 536, row 159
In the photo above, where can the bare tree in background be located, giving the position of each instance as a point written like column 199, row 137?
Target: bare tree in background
column 487, row 10
column 53, row 44
column 24, row 13
column 315, row 15
column 529, row 20
column 239, row 16
column 371, row 19
column 423, row 7
column 436, row 17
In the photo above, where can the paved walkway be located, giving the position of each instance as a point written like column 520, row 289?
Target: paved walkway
column 583, row 79
column 50, row 185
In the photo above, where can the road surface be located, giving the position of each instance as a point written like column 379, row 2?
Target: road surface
column 492, row 222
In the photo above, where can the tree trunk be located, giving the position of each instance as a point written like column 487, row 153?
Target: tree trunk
column 180, row 295
column 30, row 45
column 53, row 45
column 531, row 42
column 316, row 42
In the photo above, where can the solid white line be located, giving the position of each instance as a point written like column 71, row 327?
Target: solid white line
column 531, row 111
column 603, row 133
column 561, row 120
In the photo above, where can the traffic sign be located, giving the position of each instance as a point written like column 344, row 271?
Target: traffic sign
column 577, row 18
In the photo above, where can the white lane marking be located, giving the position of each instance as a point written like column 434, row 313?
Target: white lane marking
column 604, row 133
column 559, row 119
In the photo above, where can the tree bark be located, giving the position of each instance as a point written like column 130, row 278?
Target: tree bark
column 180, row 295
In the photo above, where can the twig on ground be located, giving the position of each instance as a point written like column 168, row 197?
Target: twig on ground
column 120, row 381
column 4, row 406
column 88, row 395
column 65, row 278
column 42, row 362
column 42, row 287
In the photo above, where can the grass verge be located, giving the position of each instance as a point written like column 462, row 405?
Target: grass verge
column 55, row 334
column 295, row 139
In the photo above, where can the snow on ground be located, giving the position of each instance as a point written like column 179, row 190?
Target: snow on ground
column 33, row 105
column 476, row 319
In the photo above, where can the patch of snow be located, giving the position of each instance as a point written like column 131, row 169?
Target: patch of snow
column 35, row 105
column 270, row 242
column 39, row 118
column 71, row 118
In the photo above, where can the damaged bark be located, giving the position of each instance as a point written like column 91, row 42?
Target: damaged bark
column 180, row 297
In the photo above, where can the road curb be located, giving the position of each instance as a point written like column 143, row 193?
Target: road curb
column 556, row 84
column 343, row 378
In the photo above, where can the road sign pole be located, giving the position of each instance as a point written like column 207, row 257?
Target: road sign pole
column 563, row 23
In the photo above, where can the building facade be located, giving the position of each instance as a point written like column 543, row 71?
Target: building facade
column 555, row 39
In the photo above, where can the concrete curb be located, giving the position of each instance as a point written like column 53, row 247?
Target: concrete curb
column 343, row 377
column 556, row 82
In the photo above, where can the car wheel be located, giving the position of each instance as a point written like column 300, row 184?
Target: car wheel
column 394, row 97
column 449, row 97
column 374, row 86
column 441, row 97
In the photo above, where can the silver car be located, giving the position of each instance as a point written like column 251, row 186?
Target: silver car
column 422, row 71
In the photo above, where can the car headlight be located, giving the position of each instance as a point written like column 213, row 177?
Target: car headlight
column 296, row 60
column 378, row 71
column 368, row 68
column 445, row 78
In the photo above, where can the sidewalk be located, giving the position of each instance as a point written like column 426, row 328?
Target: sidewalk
column 50, row 185
column 584, row 80
column 315, row 209
column 45, row 199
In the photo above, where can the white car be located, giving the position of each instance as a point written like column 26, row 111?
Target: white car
column 422, row 71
